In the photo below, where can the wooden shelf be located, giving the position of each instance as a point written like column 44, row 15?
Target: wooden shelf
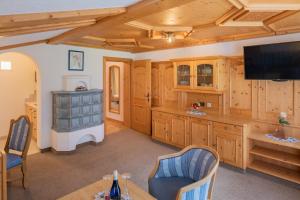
column 262, row 137
column 276, row 155
column 277, row 171
column 199, row 91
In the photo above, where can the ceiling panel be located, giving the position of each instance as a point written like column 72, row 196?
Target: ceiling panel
column 194, row 13
column 10, row 7
column 287, row 23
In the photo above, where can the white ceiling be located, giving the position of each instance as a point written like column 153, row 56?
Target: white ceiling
column 9, row 7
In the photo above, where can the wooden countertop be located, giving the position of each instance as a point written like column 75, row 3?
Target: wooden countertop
column 211, row 117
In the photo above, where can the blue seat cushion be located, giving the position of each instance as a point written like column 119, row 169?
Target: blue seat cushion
column 13, row 160
column 167, row 188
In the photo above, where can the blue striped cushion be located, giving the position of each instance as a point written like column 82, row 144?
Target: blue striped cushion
column 19, row 133
column 197, row 194
column 194, row 164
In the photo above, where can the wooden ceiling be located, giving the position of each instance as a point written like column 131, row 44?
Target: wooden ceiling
column 145, row 26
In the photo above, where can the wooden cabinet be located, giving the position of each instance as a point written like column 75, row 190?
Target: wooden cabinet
column 179, row 131
column 183, row 74
column 200, row 131
column 171, row 129
column 227, row 140
column 202, row 74
column 160, row 126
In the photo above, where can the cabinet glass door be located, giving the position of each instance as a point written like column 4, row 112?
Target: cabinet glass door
column 205, row 75
column 183, row 75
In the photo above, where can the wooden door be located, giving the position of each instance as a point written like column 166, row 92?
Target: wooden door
column 200, row 132
column 229, row 148
column 179, row 131
column 141, row 96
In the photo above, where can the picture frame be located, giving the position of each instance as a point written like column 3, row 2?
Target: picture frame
column 76, row 60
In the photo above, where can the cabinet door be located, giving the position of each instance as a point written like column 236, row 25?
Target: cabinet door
column 206, row 75
column 199, row 130
column 179, row 131
column 183, row 72
column 229, row 148
column 160, row 129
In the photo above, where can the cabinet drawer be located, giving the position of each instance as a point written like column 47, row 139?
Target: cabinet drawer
column 228, row 128
column 156, row 114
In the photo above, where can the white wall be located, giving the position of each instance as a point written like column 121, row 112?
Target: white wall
column 52, row 61
column 15, row 85
column 234, row 48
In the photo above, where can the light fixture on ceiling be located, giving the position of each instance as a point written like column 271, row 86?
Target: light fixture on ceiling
column 170, row 37
column 5, row 65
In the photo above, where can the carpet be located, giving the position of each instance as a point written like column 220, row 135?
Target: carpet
column 51, row 176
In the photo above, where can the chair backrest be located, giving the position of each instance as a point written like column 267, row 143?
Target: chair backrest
column 195, row 163
column 19, row 135
column 3, row 189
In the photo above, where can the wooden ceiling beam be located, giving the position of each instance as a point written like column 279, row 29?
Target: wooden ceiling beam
column 60, row 15
column 236, row 3
column 22, row 44
column 43, row 28
column 228, row 15
column 136, row 11
column 280, row 16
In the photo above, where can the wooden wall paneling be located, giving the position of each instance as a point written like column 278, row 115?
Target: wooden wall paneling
column 297, row 103
column 169, row 96
column 240, row 91
column 216, row 101
column 254, row 99
column 275, row 97
column 155, row 84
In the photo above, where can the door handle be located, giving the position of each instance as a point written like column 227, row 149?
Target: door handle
column 148, row 97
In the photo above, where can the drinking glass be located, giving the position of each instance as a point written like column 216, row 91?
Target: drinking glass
column 125, row 177
column 107, row 183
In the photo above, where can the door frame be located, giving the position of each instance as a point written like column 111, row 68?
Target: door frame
column 127, row 95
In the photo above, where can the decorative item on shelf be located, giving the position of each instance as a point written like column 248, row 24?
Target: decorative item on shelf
column 279, row 131
column 196, row 109
column 82, row 86
column 76, row 60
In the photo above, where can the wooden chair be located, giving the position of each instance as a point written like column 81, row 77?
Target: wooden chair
column 17, row 145
column 186, row 175
column 3, row 190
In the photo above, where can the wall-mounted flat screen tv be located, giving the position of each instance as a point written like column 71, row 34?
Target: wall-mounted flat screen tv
column 273, row 61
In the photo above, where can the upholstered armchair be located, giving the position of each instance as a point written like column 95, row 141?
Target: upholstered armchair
column 186, row 175
column 17, row 145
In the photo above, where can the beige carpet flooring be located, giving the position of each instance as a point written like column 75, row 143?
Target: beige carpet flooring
column 52, row 176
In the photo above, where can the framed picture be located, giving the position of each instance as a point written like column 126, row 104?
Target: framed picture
column 76, row 60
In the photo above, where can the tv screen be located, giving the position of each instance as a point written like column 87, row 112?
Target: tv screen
column 273, row 61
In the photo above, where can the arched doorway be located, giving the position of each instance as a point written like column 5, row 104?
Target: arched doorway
column 20, row 88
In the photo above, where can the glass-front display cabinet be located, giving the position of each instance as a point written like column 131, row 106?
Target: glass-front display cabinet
column 200, row 74
column 205, row 75
column 183, row 75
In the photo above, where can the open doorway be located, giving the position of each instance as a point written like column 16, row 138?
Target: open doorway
column 116, row 84
column 19, row 86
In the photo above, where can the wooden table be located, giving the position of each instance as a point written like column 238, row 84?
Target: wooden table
column 88, row 192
